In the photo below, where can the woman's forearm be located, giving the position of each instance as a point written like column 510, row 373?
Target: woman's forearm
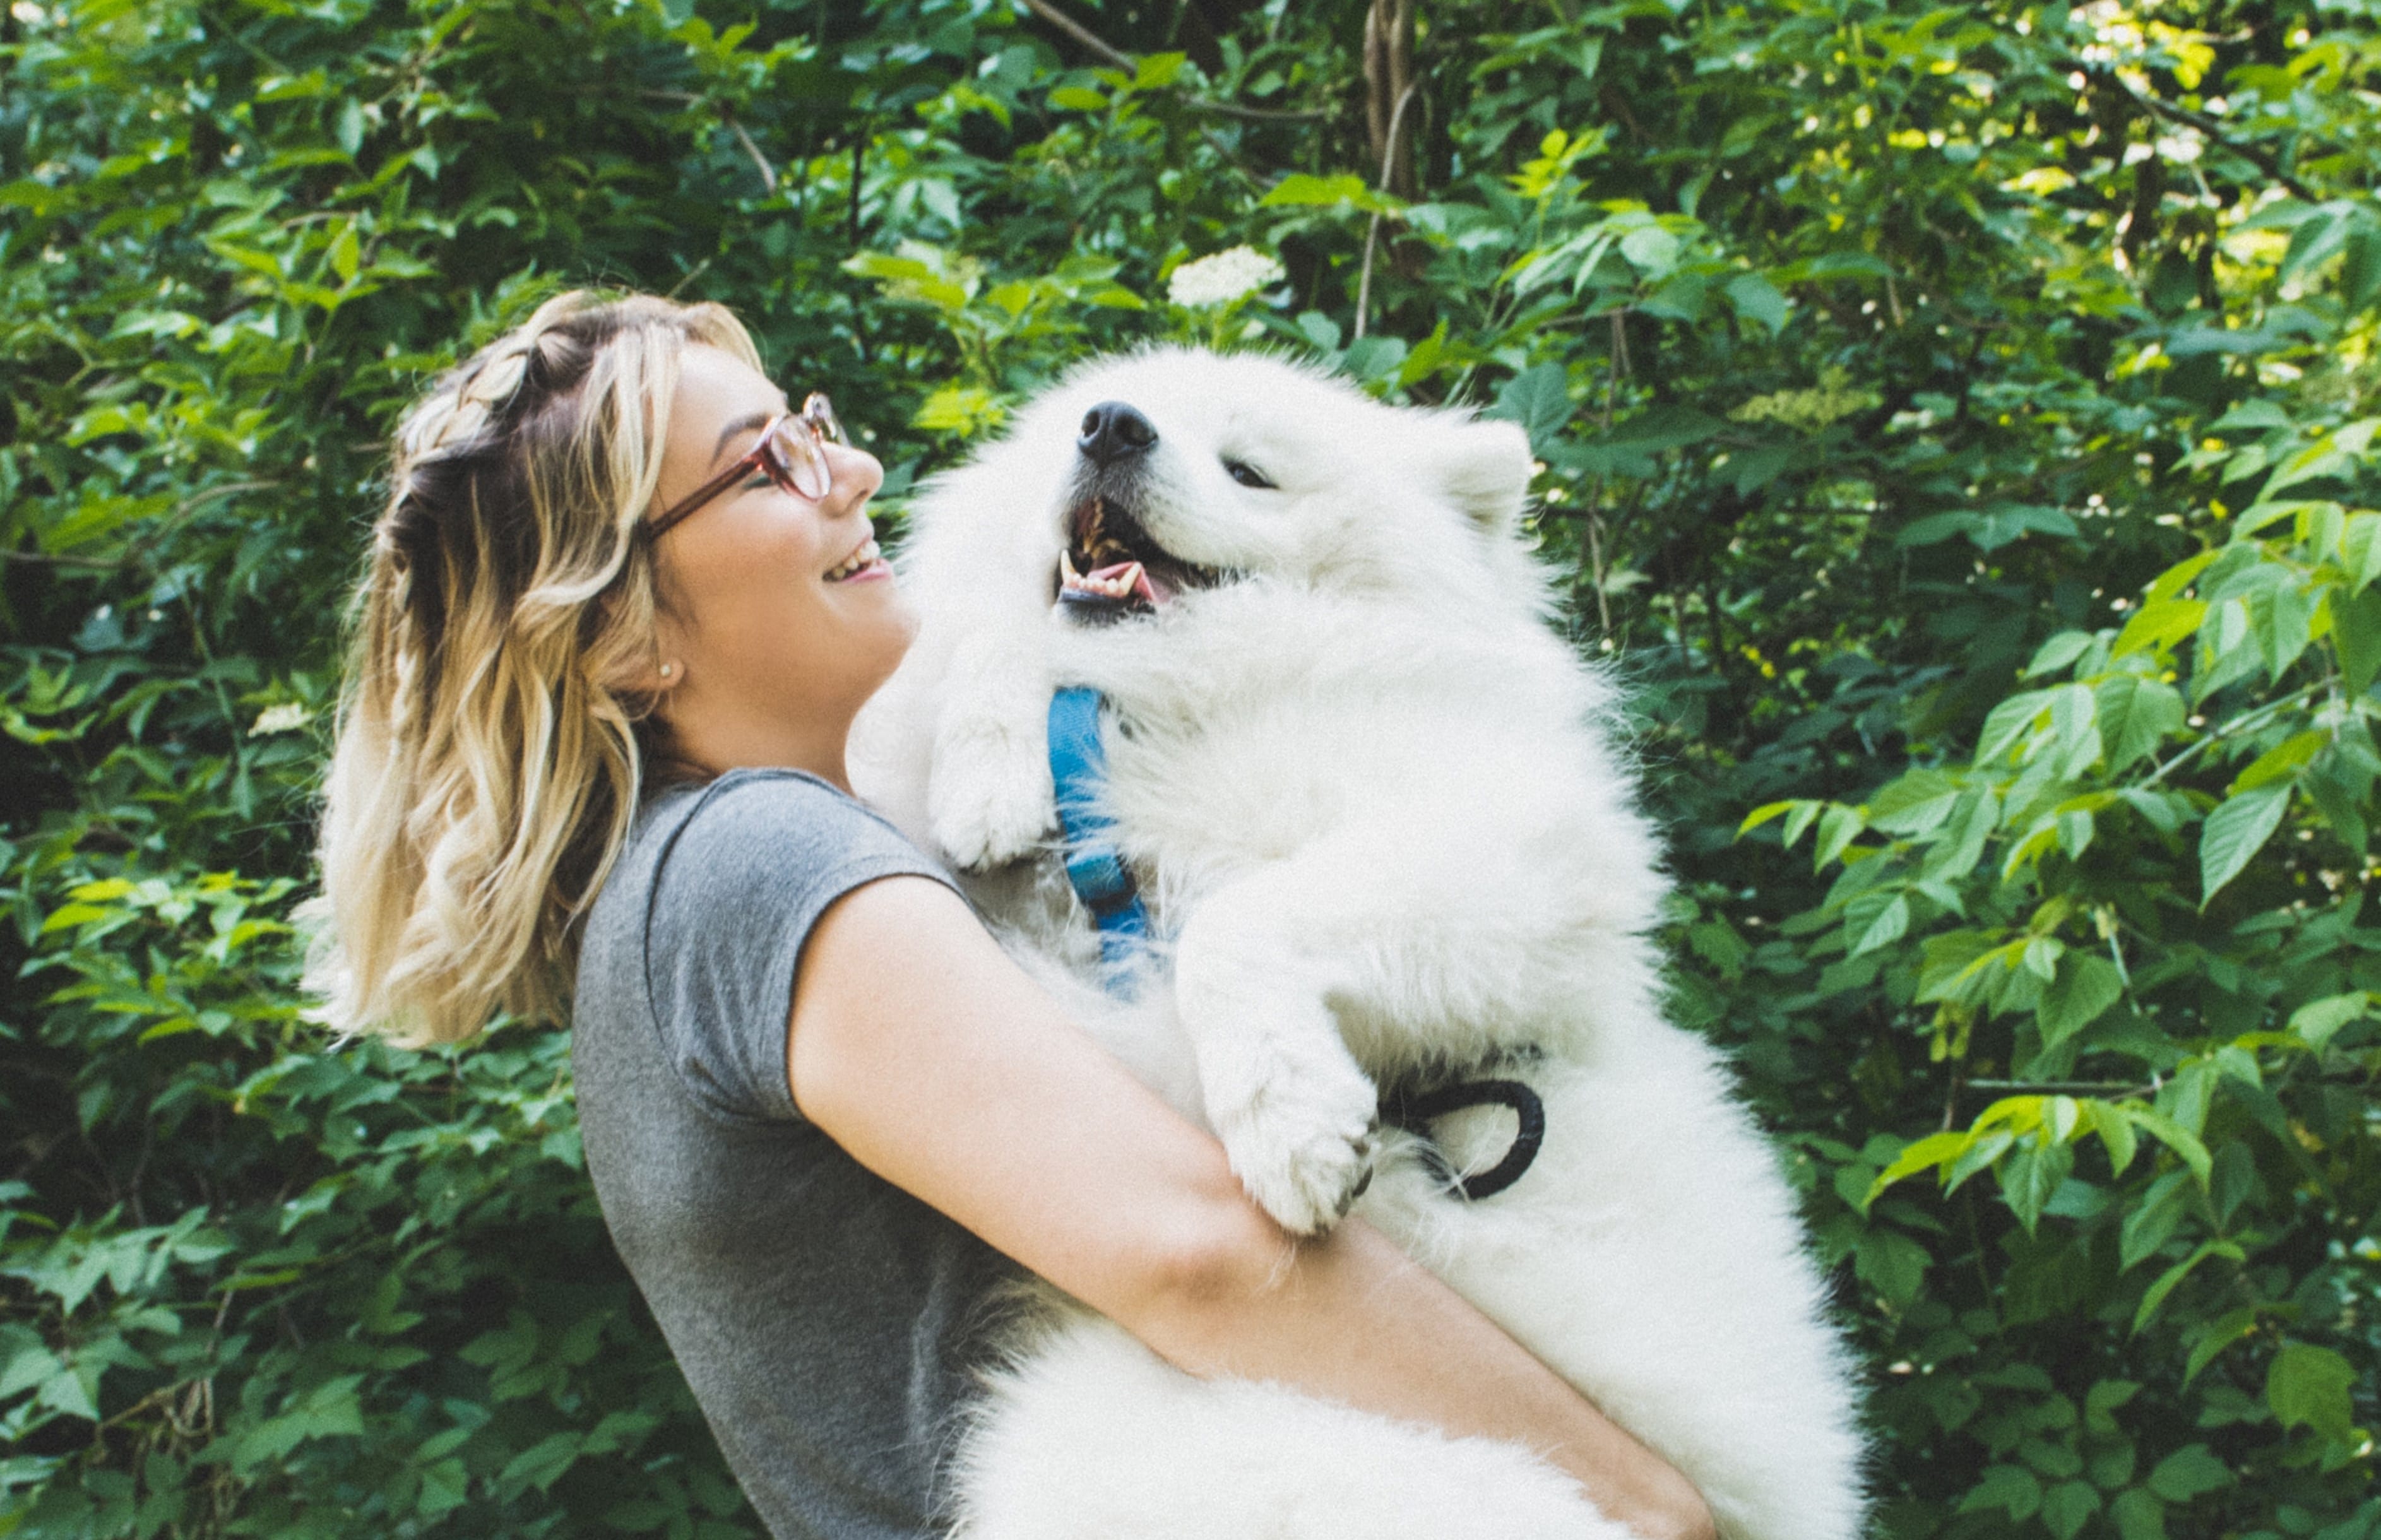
column 922, row 1049
column 1352, row 1319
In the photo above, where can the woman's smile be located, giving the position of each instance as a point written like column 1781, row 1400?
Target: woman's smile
column 864, row 565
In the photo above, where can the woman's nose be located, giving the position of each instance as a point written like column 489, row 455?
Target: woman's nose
column 857, row 475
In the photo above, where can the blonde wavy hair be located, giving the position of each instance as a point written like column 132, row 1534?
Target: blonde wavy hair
column 494, row 734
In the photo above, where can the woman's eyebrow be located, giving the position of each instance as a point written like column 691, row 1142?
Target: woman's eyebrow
column 741, row 425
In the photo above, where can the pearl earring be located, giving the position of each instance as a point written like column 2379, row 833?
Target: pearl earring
column 669, row 670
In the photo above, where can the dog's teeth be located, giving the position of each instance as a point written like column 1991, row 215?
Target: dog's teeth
column 1067, row 569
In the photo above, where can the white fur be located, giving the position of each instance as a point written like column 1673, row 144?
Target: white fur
column 1367, row 794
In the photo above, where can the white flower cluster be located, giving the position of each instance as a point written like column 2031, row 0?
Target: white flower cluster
column 286, row 717
column 1223, row 277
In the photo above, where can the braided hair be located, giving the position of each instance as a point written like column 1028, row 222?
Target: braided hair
column 494, row 732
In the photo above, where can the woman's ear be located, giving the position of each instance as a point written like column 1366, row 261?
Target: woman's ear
column 651, row 668
column 1486, row 468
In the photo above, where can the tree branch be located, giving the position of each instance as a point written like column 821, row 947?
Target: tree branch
column 1255, row 115
column 1117, row 58
column 768, row 175
column 1372, row 231
column 2264, row 160
column 1083, row 34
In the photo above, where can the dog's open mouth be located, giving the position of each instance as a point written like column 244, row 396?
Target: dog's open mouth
column 1111, row 566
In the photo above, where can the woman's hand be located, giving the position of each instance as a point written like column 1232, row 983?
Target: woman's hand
column 935, row 1061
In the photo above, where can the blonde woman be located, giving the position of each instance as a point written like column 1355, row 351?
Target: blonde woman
column 620, row 611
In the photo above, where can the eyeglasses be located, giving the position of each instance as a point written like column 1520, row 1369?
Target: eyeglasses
column 791, row 452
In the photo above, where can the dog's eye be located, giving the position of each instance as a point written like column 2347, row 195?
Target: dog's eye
column 1245, row 473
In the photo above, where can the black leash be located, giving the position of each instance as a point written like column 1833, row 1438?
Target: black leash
column 1414, row 1112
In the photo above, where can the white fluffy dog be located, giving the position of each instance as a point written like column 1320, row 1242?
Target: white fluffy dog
column 1382, row 843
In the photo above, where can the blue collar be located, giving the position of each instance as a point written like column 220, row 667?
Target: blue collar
column 1096, row 869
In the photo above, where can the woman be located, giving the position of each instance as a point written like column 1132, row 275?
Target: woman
column 620, row 612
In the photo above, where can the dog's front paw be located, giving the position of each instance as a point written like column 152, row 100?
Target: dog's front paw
column 1299, row 1135
column 990, row 800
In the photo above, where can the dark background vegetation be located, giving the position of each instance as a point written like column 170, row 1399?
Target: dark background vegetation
column 1957, row 426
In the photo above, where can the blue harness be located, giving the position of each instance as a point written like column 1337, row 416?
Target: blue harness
column 1096, row 869
column 1078, row 764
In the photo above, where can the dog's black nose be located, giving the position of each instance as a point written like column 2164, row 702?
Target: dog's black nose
column 1112, row 430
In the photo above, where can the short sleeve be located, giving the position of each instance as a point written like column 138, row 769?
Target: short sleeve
column 744, row 877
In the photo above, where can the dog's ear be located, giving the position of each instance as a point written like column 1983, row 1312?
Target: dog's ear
column 1485, row 467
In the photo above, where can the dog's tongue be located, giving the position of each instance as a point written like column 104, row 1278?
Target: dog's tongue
column 1119, row 580
column 1138, row 578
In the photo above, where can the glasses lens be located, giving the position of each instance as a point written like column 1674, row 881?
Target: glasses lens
column 820, row 414
column 795, row 461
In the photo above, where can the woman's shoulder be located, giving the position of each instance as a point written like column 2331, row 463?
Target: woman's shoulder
column 701, row 924
column 741, row 847
column 763, row 820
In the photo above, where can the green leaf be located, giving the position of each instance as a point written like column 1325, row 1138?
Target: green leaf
column 1539, row 399
column 2172, row 1278
column 2318, row 1021
column 1757, row 300
column 350, row 130
column 2138, row 1514
column 2216, row 1336
column 2067, row 1506
column 2236, row 832
column 2087, row 985
column 1298, row 189
column 1915, row 803
column 2191, row 1471
column 2281, row 762
column 2160, row 626
column 1651, row 249
column 1892, row 1265
column 2356, row 636
column 2116, row 1131
column 2030, row 1175
column 1159, row 70
column 2058, row 652
column 1888, row 926
column 2009, row 723
column 2360, row 549
column 542, row 1464
column 2010, row 1488
column 1837, row 828
column 2174, row 1136
column 1931, row 1151
column 2308, row 1386
column 1761, row 815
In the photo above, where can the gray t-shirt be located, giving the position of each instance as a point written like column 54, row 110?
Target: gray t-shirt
column 824, row 1318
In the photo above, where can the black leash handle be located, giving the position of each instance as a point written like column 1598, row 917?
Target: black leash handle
column 1414, row 1114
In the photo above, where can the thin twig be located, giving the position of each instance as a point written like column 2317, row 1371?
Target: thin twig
column 768, row 175
column 1255, row 114
column 687, row 99
column 2239, row 725
column 2067, row 1088
column 43, row 558
column 1082, row 35
column 1117, row 57
column 1372, row 231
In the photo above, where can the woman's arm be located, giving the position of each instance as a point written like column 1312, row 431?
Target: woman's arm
column 929, row 1056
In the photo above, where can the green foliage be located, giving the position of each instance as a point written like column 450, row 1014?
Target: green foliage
column 1958, row 425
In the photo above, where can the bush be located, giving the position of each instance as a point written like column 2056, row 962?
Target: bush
column 1956, row 425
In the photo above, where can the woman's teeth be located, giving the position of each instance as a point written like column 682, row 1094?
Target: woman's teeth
column 858, row 561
